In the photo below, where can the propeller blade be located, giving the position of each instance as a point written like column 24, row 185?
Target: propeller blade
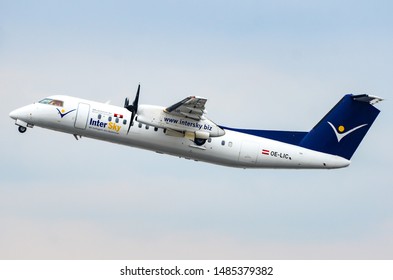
column 132, row 108
column 131, row 121
column 136, row 100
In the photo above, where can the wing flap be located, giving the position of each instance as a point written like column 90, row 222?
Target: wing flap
column 192, row 107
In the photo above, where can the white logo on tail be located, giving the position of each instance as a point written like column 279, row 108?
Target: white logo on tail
column 341, row 134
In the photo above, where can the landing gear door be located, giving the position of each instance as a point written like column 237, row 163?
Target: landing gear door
column 82, row 116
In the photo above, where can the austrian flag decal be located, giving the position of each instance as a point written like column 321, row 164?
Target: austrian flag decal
column 265, row 152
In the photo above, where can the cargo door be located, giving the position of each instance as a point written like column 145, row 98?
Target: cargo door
column 249, row 152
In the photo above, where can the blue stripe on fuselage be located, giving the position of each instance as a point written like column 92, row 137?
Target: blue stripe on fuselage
column 290, row 137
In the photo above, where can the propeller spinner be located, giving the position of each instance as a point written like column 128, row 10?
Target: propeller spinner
column 132, row 108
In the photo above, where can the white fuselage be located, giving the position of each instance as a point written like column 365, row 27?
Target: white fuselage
column 110, row 123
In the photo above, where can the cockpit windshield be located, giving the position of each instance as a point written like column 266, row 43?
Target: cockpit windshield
column 53, row 102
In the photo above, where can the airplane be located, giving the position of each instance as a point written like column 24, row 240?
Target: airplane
column 184, row 130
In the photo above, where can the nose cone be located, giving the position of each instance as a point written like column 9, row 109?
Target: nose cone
column 23, row 113
column 15, row 114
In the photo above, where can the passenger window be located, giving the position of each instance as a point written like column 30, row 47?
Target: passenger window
column 147, row 127
column 140, row 125
column 156, row 129
column 229, row 144
column 99, row 116
column 124, row 122
column 209, row 140
column 109, row 119
column 117, row 120
column 223, row 142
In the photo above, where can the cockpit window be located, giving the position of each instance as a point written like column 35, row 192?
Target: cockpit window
column 53, row 102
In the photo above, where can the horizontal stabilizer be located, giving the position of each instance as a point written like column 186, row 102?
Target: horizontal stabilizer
column 367, row 98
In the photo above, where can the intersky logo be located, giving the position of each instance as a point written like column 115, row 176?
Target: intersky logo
column 340, row 134
column 63, row 113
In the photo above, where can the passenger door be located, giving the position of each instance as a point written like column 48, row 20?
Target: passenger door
column 82, row 116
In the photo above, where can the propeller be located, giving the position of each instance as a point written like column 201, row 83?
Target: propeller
column 132, row 108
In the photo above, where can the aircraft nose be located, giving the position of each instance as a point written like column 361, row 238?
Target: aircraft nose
column 23, row 113
column 14, row 114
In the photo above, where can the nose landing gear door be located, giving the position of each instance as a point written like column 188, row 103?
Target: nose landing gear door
column 82, row 116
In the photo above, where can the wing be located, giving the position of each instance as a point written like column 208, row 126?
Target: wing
column 192, row 107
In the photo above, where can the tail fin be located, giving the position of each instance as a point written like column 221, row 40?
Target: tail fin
column 343, row 128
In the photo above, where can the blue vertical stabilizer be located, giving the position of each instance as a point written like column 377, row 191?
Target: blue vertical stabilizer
column 343, row 128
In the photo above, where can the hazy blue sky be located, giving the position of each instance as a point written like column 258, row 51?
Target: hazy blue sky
column 261, row 64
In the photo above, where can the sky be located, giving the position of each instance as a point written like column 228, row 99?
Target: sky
column 261, row 64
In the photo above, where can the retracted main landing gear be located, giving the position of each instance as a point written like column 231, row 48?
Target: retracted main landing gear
column 200, row 137
column 199, row 141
